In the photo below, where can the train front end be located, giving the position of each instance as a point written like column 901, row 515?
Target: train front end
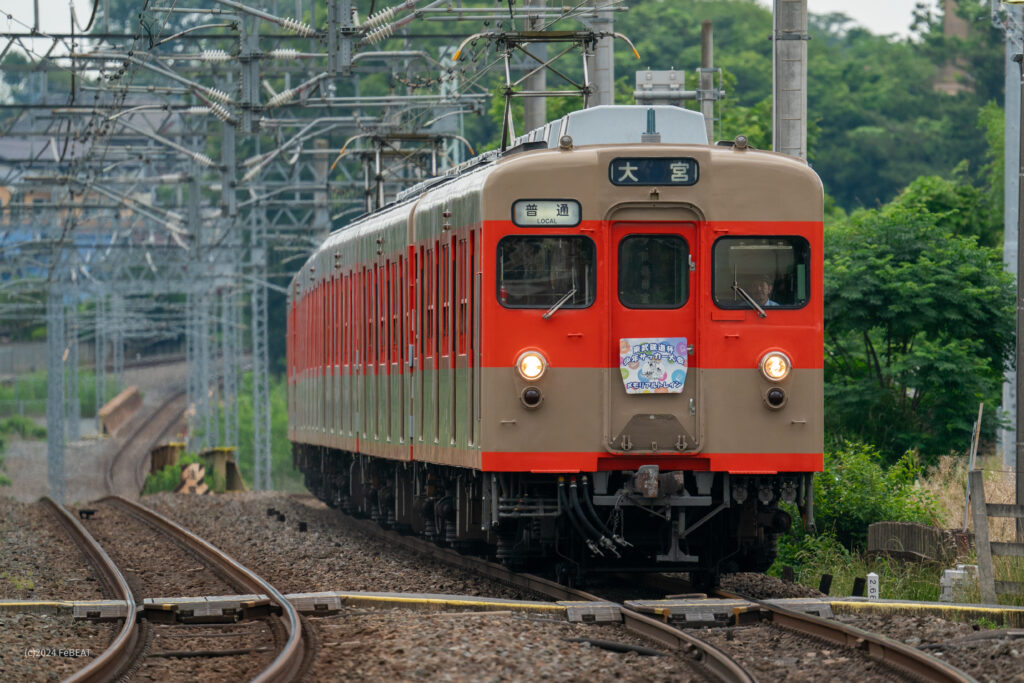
column 651, row 345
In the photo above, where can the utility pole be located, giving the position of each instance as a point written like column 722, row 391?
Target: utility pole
column 602, row 65
column 535, row 109
column 1009, row 19
column 707, row 78
column 1019, row 499
column 789, row 77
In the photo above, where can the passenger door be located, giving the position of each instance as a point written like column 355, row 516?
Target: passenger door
column 653, row 397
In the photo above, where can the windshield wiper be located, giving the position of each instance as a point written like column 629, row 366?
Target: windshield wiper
column 750, row 300
column 560, row 303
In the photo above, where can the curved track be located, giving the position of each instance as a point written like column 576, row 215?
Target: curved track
column 889, row 652
column 127, row 472
column 703, row 655
column 112, row 661
column 288, row 664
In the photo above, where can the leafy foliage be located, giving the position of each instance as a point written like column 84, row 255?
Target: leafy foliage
column 918, row 322
column 856, row 490
column 169, row 478
column 875, row 120
column 23, row 427
column 285, row 476
column 813, row 556
column 27, row 394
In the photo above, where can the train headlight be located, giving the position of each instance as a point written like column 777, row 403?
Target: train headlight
column 775, row 366
column 531, row 365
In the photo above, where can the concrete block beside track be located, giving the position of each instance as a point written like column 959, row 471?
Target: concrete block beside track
column 80, row 609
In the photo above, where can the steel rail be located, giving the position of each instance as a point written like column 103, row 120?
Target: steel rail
column 132, row 445
column 717, row 662
column 176, row 408
column 119, row 652
column 287, row 666
column 889, row 652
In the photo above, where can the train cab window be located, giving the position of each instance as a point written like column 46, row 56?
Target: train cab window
column 539, row 272
column 774, row 272
column 653, row 271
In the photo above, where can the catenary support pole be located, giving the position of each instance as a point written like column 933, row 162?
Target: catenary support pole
column 789, row 88
column 707, row 78
column 1019, row 499
column 535, row 108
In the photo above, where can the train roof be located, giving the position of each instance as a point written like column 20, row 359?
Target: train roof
column 622, row 124
column 603, row 125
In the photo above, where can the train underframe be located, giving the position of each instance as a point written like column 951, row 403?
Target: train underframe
column 571, row 526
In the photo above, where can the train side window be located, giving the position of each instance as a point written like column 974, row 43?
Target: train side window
column 653, row 271
column 773, row 271
column 538, row 272
column 463, row 298
column 444, row 265
column 431, row 304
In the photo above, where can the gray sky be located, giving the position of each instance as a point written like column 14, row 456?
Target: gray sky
column 878, row 16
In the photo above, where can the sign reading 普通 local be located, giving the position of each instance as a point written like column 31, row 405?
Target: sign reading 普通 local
column 539, row 213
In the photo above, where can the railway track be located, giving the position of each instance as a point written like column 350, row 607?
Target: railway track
column 133, row 648
column 700, row 654
column 890, row 653
column 886, row 651
column 127, row 472
column 110, row 662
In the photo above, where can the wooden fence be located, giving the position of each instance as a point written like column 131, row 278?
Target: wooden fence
column 986, row 548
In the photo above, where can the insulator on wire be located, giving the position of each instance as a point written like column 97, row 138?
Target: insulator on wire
column 300, row 27
column 218, row 95
column 214, row 56
column 379, row 34
column 280, row 98
column 285, row 53
column 380, row 17
column 220, row 112
column 203, row 160
column 197, row 109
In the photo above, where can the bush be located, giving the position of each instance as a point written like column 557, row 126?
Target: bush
column 169, row 477
column 23, row 427
column 285, row 477
column 27, row 394
column 813, row 556
column 855, row 490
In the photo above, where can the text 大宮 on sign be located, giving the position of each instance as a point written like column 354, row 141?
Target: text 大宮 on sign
column 653, row 171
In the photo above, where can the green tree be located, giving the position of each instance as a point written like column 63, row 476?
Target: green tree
column 918, row 328
column 857, row 489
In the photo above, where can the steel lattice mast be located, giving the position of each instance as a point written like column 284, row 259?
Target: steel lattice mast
column 181, row 169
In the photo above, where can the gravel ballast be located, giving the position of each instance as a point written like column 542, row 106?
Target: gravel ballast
column 386, row 643
column 38, row 560
column 390, row 645
column 329, row 556
column 42, row 647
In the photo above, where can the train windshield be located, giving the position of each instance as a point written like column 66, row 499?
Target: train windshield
column 539, row 272
column 771, row 271
column 653, row 271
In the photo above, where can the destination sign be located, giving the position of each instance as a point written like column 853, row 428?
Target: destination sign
column 653, row 171
column 542, row 213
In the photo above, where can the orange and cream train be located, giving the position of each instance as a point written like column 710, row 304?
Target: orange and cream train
column 598, row 350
